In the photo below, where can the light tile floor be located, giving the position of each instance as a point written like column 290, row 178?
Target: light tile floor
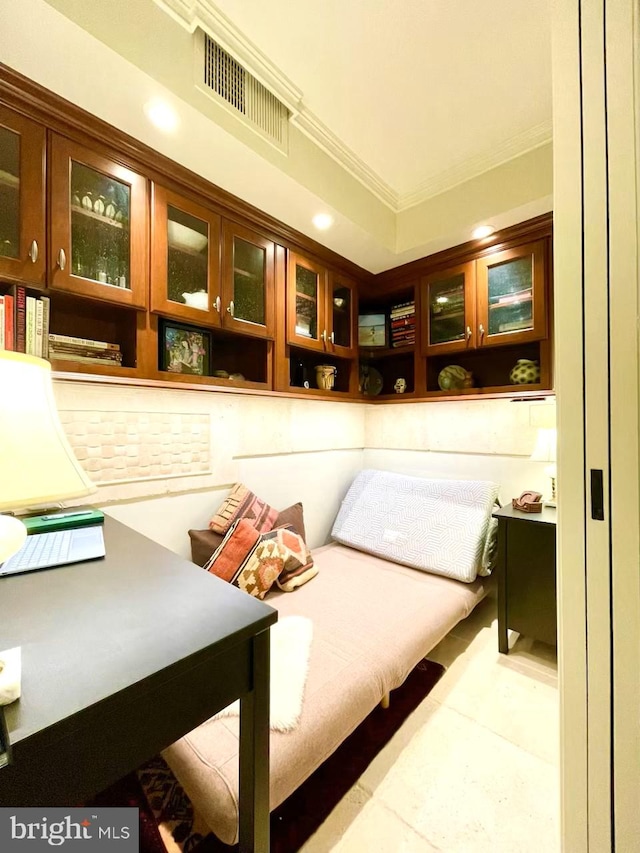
column 474, row 769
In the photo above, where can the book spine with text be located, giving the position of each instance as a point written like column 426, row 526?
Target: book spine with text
column 20, row 319
column 83, row 342
column 39, row 327
column 9, row 340
column 2, row 344
column 46, row 310
column 30, row 336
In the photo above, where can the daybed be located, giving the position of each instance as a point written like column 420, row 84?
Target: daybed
column 373, row 621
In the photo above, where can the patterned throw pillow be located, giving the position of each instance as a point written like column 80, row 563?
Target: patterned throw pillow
column 261, row 568
column 242, row 503
column 298, row 565
column 231, row 554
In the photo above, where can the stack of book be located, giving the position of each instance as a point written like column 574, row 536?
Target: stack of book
column 84, row 350
column 403, row 324
column 24, row 322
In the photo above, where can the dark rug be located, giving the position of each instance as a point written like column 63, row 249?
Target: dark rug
column 165, row 810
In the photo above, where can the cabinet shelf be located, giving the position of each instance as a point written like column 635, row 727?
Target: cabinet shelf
column 97, row 217
column 186, row 250
column 305, row 296
column 386, row 352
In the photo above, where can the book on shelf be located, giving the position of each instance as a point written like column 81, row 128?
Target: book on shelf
column 83, row 342
column 407, row 311
column 403, row 336
column 405, row 323
column 46, row 312
column 64, row 351
column 31, row 326
column 20, row 323
column 9, row 322
column 86, row 359
column 409, row 303
column 2, row 336
column 403, row 343
column 39, row 328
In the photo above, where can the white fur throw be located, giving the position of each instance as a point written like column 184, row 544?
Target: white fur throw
column 290, row 646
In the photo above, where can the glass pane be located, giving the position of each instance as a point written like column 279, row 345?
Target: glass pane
column 306, row 303
column 511, row 296
column 188, row 259
column 100, row 237
column 341, row 307
column 446, row 310
column 248, row 281
column 9, row 193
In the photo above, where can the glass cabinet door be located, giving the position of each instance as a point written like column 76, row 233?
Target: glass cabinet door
column 248, row 281
column 184, row 252
column 448, row 309
column 99, row 224
column 22, row 214
column 306, row 293
column 342, row 310
column 511, row 295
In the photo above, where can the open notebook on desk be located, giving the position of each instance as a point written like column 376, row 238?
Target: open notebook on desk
column 56, row 548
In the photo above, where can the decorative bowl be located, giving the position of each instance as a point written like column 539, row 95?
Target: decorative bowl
column 325, row 376
column 453, row 377
column 525, row 371
column 339, row 301
column 181, row 237
column 199, row 299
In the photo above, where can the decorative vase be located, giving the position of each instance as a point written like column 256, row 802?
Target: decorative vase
column 325, row 376
column 526, row 371
column 400, row 385
column 453, row 377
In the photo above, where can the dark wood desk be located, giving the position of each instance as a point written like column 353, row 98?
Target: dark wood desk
column 120, row 658
column 526, row 574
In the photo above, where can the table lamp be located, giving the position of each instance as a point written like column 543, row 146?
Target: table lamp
column 545, row 451
column 37, row 465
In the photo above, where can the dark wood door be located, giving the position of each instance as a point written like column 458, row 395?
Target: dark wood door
column 98, row 244
column 448, row 310
column 185, row 259
column 22, row 198
column 306, row 296
column 342, row 316
column 248, row 304
column 511, row 288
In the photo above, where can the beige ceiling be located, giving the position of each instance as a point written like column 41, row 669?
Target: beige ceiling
column 414, row 120
column 416, row 88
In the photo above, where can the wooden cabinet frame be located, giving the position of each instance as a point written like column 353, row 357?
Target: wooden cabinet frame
column 336, row 280
column 30, row 265
column 539, row 330
column 467, row 270
column 162, row 198
column 318, row 344
column 62, row 153
column 231, row 230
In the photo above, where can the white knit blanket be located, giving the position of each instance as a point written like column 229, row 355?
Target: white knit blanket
column 290, row 647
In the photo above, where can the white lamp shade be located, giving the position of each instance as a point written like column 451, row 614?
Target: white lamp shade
column 37, row 465
column 545, row 449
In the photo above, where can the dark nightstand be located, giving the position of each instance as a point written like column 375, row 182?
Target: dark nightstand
column 526, row 574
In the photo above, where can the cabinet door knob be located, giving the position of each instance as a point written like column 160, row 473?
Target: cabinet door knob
column 481, row 330
column 216, row 304
column 231, row 308
column 468, row 333
column 62, row 259
column 33, row 251
column 323, row 336
column 332, row 338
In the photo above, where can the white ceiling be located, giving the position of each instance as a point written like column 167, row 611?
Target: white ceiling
column 417, row 89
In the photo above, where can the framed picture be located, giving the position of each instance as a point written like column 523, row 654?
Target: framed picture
column 372, row 330
column 184, row 349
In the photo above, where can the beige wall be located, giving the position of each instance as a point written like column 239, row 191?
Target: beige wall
column 164, row 459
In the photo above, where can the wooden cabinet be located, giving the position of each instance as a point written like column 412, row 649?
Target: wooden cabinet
column 511, row 295
column 321, row 308
column 185, row 259
column 98, row 226
column 498, row 299
column 248, row 303
column 449, row 310
column 22, row 198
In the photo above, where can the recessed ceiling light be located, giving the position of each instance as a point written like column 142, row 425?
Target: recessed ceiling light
column 482, row 231
column 161, row 115
column 322, row 221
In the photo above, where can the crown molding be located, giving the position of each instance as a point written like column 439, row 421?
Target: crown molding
column 204, row 14
column 509, row 149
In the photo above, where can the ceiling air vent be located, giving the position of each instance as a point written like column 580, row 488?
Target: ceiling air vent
column 228, row 80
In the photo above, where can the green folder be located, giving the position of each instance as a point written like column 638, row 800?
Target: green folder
column 65, row 519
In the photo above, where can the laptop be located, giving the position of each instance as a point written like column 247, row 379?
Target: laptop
column 56, row 548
